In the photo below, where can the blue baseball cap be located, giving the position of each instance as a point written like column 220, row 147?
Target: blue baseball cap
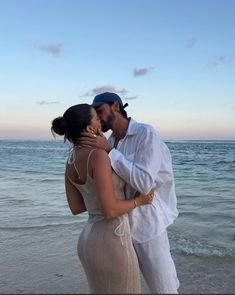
column 106, row 97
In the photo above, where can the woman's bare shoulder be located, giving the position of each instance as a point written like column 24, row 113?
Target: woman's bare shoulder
column 100, row 156
column 100, row 153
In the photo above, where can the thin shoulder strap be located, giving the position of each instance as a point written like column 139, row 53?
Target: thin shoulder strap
column 88, row 159
column 70, row 180
column 72, row 161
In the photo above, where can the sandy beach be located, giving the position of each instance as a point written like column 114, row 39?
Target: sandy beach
column 197, row 275
column 46, row 262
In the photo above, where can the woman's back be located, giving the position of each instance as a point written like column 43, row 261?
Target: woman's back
column 87, row 188
column 105, row 247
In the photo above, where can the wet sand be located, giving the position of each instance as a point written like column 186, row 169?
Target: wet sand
column 46, row 262
column 197, row 275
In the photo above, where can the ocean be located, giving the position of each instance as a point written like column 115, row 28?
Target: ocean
column 39, row 234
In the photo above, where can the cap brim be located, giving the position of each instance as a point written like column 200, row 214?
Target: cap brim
column 97, row 104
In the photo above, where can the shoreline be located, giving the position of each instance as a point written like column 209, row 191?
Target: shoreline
column 45, row 261
column 64, row 275
column 197, row 275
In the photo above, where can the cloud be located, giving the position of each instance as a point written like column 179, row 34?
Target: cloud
column 105, row 88
column 142, row 71
column 54, row 49
column 131, row 97
column 233, row 108
column 43, row 102
column 217, row 61
column 191, row 43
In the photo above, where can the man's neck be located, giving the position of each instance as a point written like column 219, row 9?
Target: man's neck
column 120, row 128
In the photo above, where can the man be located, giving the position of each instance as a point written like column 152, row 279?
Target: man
column 142, row 159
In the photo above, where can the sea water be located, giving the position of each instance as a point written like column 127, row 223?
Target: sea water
column 37, row 229
column 205, row 186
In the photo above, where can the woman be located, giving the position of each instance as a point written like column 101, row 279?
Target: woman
column 104, row 247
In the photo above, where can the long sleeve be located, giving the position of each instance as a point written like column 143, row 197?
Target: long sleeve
column 139, row 169
column 143, row 161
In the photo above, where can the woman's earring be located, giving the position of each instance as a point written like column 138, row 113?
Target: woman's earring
column 93, row 132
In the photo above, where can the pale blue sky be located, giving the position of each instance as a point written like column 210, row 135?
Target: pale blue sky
column 173, row 61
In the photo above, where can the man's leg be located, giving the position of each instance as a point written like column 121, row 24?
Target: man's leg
column 157, row 265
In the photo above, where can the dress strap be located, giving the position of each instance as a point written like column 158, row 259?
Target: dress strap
column 72, row 161
column 88, row 159
column 72, row 156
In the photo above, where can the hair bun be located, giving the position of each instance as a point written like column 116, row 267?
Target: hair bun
column 59, row 126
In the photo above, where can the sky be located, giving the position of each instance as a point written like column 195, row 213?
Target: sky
column 173, row 61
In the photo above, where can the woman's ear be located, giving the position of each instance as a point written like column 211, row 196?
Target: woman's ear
column 89, row 129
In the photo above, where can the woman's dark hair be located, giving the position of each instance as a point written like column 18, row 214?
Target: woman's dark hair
column 74, row 121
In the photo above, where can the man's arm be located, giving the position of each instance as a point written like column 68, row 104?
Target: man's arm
column 141, row 171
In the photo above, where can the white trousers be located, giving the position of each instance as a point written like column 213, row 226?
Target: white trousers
column 157, row 265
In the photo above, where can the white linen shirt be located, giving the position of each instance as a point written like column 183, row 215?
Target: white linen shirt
column 143, row 161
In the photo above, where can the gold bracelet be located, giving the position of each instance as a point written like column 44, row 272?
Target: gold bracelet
column 135, row 203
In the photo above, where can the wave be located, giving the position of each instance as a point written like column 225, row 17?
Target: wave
column 34, row 148
column 207, row 141
column 48, row 180
column 40, row 226
column 225, row 162
column 186, row 246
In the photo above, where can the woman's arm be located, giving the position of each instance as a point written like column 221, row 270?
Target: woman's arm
column 102, row 175
column 74, row 197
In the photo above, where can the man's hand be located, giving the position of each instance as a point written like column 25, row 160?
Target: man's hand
column 96, row 141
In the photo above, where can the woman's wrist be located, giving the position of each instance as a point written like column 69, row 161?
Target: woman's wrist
column 135, row 203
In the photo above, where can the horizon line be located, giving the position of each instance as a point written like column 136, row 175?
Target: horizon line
column 188, row 139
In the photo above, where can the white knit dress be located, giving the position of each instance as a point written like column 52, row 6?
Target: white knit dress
column 105, row 247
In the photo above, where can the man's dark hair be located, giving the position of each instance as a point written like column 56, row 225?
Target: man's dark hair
column 121, row 107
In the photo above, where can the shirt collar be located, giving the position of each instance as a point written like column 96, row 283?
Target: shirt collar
column 132, row 127
column 131, row 130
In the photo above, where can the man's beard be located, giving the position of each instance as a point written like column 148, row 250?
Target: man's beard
column 105, row 126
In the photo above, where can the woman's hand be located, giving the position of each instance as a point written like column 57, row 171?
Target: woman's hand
column 141, row 199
